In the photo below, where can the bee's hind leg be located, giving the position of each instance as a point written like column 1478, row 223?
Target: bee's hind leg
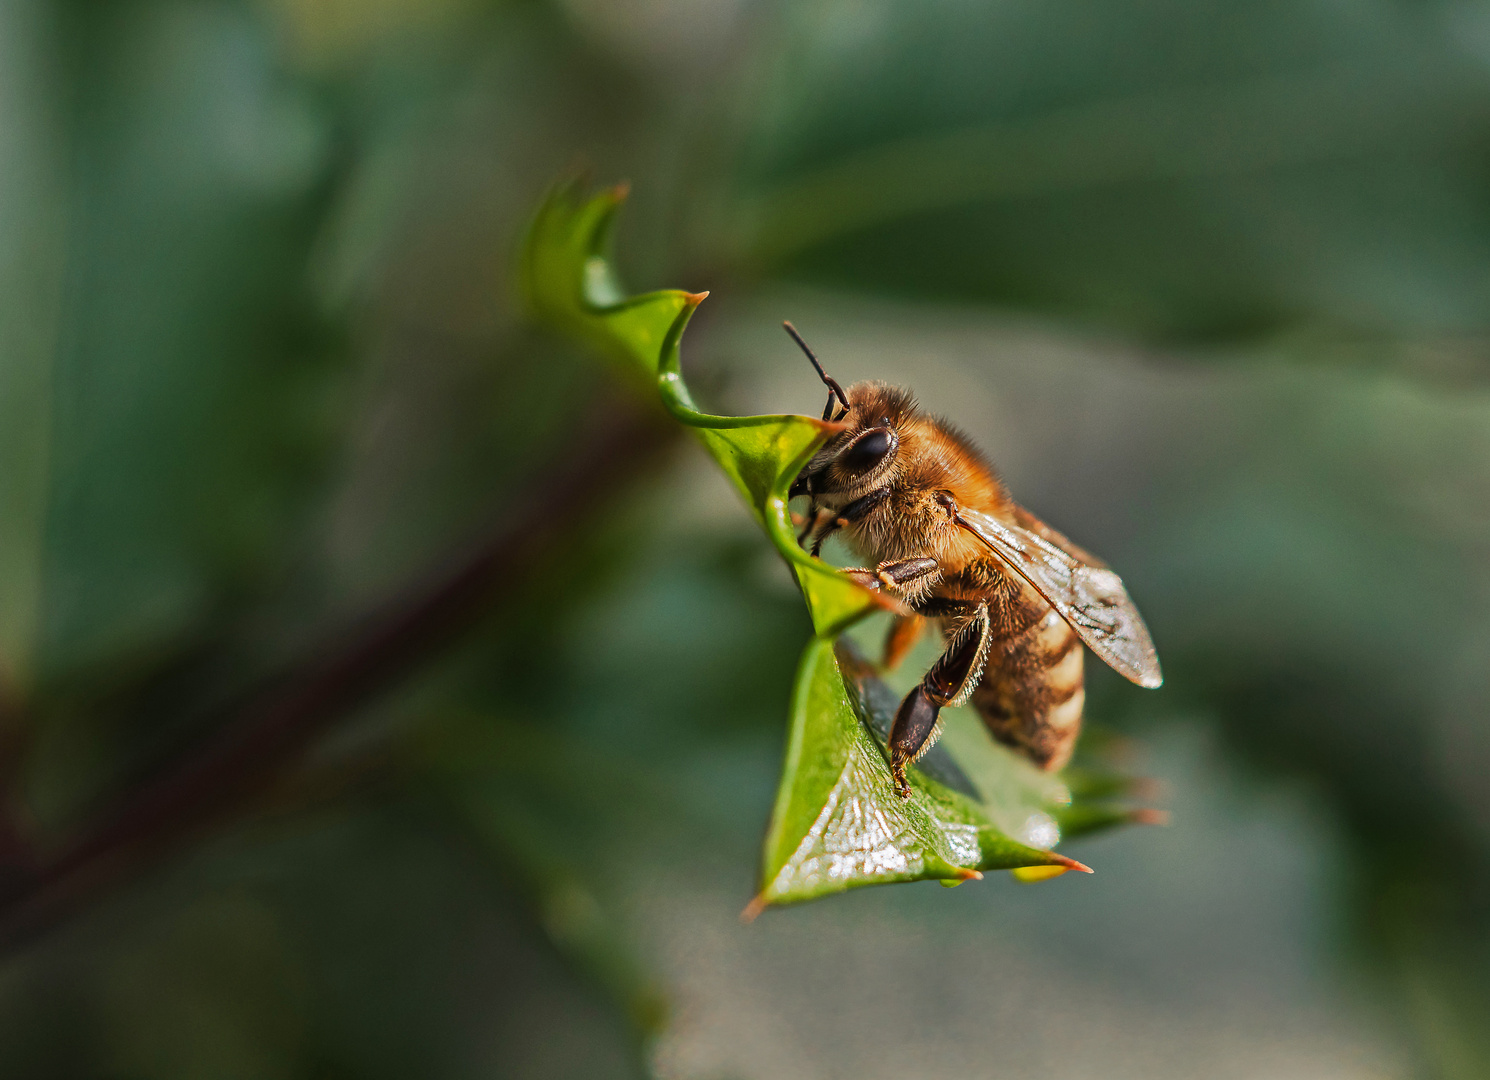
column 950, row 680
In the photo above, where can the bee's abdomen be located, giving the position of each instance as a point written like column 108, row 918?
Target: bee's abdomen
column 1032, row 691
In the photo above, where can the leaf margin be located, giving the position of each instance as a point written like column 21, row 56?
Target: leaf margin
column 569, row 280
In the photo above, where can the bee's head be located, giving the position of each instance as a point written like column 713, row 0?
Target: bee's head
column 861, row 457
column 857, row 459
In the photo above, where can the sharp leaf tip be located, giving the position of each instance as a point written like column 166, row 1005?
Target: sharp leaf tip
column 753, row 909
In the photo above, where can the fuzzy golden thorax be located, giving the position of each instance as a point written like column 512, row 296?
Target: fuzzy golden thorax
column 911, row 467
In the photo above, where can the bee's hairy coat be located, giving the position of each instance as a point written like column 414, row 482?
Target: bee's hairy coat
column 1014, row 598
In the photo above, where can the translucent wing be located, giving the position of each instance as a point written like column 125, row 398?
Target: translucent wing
column 1091, row 598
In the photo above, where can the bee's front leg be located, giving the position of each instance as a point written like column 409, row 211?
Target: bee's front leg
column 855, row 511
column 809, row 522
column 950, row 680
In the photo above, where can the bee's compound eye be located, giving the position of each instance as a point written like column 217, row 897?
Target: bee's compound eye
column 868, row 451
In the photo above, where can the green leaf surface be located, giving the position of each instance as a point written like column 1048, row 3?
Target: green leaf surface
column 571, row 284
column 839, row 823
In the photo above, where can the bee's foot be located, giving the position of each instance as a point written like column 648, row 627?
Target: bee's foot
column 902, row 788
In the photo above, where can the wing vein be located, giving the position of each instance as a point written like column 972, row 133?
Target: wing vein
column 1091, row 599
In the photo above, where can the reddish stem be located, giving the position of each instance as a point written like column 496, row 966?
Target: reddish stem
column 252, row 744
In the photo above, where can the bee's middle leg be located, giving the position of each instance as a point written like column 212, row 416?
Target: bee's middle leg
column 953, row 676
column 892, row 575
column 905, row 631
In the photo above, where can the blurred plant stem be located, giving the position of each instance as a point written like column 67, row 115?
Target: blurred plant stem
column 223, row 775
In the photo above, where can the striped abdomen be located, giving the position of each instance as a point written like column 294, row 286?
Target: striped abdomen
column 1032, row 691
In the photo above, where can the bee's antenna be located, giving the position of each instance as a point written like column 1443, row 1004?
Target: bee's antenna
column 834, row 390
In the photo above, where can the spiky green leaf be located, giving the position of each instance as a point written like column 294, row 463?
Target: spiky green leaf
column 838, row 822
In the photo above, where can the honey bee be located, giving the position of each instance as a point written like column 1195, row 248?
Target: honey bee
column 1015, row 600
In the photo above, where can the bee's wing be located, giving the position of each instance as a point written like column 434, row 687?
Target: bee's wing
column 1091, row 598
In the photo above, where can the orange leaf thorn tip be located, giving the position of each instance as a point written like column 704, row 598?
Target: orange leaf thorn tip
column 1070, row 863
column 752, row 909
column 963, row 873
column 1147, row 816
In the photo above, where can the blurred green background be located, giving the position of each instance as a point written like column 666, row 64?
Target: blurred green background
column 1208, row 281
